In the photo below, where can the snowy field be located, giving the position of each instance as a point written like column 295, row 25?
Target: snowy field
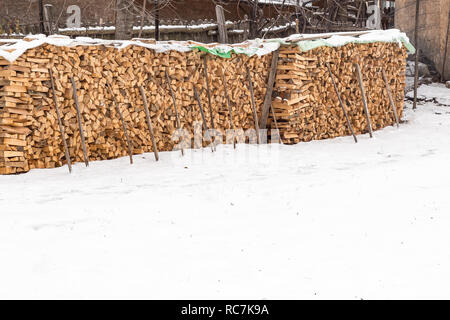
column 326, row 219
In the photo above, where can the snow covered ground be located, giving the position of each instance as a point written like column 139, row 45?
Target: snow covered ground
column 326, row 219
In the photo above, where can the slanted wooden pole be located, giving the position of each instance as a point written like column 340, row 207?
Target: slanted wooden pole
column 157, row 34
column 149, row 122
column 342, row 104
column 208, row 91
column 225, row 87
column 61, row 127
column 363, row 94
column 223, row 35
column 41, row 17
column 391, row 100
column 274, row 117
column 80, row 123
column 124, row 125
column 252, row 99
column 276, row 124
column 205, row 126
column 270, row 83
column 416, row 60
column 169, row 84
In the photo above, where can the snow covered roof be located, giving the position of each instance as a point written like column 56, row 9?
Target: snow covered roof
column 12, row 49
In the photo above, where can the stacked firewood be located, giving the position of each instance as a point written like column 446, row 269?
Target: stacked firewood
column 29, row 131
column 306, row 104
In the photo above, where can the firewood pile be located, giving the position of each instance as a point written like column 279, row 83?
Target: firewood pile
column 306, row 104
column 100, row 111
column 30, row 137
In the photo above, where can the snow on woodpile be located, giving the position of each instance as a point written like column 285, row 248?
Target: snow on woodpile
column 181, row 80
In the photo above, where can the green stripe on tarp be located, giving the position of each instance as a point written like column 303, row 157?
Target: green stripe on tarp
column 214, row 51
column 303, row 45
column 249, row 51
column 307, row 45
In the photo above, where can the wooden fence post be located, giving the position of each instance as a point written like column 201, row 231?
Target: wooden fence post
column 270, row 83
column 149, row 122
column 223, row 33
column 61, row 127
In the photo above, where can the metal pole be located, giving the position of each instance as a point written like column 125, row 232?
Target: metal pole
column 416, row 60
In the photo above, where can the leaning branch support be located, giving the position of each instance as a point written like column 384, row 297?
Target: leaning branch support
column 149, row 122
column 124, row 126
column 364, row 99
column 80, row 122
column 61, row 127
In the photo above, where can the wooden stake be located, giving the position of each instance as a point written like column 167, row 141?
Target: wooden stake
column 391, row 100
column 41, row 17
column 174, row 105
column 270, row 83
column 61, row 127
column 416, row 58
column 208, row 91
column 205, row 126
column 363, row 94
column 80, row 124
column 416, row 78
column 341, row 103
column 229, row 106
column 223, row 34
column 252, row 98
column 445, row 49
column 124, row 126
column 276, row 124
column 274, row 118
column 149, row 122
